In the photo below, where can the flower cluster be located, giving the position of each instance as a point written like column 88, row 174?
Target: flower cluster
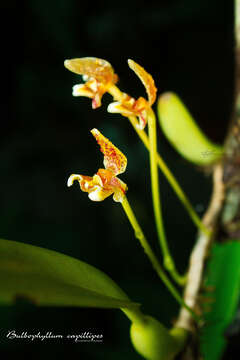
column 99, row 77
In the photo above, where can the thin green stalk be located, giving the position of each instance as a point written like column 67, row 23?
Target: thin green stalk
column 154, row 261
column 237, row 23
column 117, row 94
column 171, row 179
column 134, row 315
column 167, row 258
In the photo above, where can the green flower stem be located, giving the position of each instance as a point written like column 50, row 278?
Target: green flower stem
column 134, row 315
column 167, row 258
column 237, row 23
column 154, row 261
column 171, row 179
column 118, row 95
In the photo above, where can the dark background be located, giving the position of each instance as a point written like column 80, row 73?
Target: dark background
column 188, row 48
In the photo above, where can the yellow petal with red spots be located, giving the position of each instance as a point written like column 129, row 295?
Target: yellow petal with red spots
column 92, row 67
column 146, row 79
column 110, row 181
column 114, row 159
column 120, row 189
column 105, row 176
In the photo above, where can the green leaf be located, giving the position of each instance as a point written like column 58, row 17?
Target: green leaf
column 50, row 278
column 221, row 298
column 183, row 132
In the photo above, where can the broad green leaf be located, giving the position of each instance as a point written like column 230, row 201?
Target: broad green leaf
column 221, row 298
column 50, row 278
column 183, row 133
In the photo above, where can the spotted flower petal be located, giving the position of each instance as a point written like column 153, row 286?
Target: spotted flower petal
column 146, row 79
column 92, row 67
column 105, row 182
column 98, row 74
column 114, row 159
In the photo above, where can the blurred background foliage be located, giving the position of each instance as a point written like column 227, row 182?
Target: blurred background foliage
column 188, row 48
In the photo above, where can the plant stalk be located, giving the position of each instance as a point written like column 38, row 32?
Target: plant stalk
column 154, row 261
column 167, row 258
column 118, row 95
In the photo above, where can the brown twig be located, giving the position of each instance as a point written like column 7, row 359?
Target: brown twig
column 200, row 250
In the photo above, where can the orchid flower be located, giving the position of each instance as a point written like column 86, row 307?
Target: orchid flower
column 98, row 75
column 105, row 182
column 129, row 106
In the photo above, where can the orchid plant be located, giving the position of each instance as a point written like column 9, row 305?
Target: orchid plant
column 50, row 278
column 100, row 78
column 139, row 112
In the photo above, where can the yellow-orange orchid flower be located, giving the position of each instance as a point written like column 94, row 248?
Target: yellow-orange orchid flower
column 105, row 182
column 129, row 106
column 98, row 74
